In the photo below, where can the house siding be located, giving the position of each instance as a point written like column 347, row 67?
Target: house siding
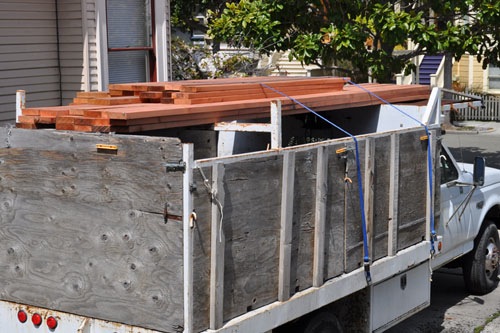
column 28, row 54
column 71, row 49
column 468, row 73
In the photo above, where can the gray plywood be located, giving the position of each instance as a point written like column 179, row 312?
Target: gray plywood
column 303, row 220
column 335, row 214
column 353, row 219
column 381, row 183
column 252, row 227
column 84, row 232
column 412, row 189
column 201, row 249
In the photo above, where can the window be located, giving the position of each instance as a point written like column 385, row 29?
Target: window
column 493, row 77
column 130, row 40
column 448, row 171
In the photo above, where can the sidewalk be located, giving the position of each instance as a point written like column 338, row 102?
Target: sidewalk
column 492, row 327
column 473, row 127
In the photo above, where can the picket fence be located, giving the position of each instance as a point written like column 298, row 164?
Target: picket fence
column 489, row 111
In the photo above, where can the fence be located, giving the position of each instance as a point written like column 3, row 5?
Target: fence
column 489, row 111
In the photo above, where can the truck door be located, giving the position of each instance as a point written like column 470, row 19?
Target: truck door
column 456, row 216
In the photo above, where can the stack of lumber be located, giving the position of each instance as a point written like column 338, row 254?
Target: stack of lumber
column 139, row 107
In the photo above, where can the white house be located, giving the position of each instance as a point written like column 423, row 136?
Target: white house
column 55, row 48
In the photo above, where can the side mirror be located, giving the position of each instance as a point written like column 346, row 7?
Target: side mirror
column 479, row 170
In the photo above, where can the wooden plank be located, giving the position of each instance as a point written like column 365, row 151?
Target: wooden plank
column 287, row 191
column 368, row 187
column 320, row 216
column 217, row 242
column 392, row 242
column 188, row 227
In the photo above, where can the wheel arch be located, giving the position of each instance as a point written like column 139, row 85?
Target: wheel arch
column 492, row 215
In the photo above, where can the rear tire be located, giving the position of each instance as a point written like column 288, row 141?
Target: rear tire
column 481, row 264
column 323, row 322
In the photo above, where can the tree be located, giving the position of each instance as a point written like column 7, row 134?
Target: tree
column 361, row 33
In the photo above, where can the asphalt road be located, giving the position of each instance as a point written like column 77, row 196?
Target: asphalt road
column 452, row 309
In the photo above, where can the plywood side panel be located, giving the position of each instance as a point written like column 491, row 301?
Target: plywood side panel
column 303, row 220
column 381, row 183
column 251, row 227
column 335, row 214
column 84, row 232
column 412, row 189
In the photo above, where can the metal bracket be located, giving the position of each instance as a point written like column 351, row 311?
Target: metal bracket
column 175, row 166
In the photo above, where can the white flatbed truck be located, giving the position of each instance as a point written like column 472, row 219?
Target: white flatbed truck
column 128, row 233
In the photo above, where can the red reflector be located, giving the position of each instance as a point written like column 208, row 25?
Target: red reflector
column 51, row 322
column 22, row 316
column 36, row 319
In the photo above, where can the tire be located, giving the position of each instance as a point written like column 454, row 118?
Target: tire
column 481, row 264
column 323, row 322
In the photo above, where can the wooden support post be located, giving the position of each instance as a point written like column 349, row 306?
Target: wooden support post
column 276, row 124
column 392, row 241
column 20, row 103
column 320, row 216
column 286, row 225
column 368, row 195
column 188, row 226
column 217, row 250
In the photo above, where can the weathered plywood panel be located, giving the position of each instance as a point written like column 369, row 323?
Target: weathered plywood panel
column 335, row 214
column 84, row 232
column 381, row 184
column 251, row 226
column 202, row 204
column 412, row 189
column 353, row 220
column 303, row 220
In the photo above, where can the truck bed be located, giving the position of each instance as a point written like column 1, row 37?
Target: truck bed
column 98, row 232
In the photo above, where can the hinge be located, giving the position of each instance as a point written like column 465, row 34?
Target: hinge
column 175, row 166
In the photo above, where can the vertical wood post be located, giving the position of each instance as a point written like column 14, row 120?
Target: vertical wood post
column 368, row 195
column 188, row 227
column 276, row 124
column 217, row 250
column 320, row 216
column 286, row 225
column 392, row 241
column 20, row 103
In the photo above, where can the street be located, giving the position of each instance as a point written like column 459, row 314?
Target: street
column 452, row 309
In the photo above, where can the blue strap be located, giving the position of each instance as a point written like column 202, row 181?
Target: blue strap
column 429, row 155
column 366, row 257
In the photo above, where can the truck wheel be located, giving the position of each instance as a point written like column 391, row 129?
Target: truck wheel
column 323, row 322
column 481, row 264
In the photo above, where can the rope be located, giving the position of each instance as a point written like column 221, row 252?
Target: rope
column 429, row 156
column 366, row 257
column 213, row 197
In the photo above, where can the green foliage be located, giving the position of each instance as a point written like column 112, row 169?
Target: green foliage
column 246, row 24
column 360, row 32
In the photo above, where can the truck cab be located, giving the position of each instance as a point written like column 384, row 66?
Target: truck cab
column 469, row 220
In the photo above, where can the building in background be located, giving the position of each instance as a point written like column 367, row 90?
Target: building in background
column 55, row 48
